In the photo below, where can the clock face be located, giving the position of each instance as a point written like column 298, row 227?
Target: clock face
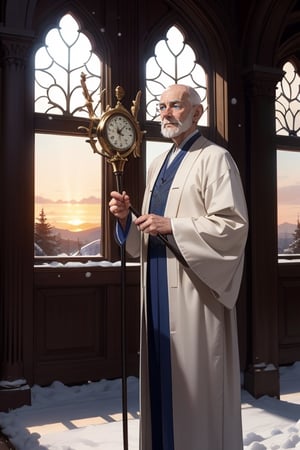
column 120, row 132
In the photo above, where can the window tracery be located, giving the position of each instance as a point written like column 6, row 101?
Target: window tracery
column 69, row 199
column 287, row 105
column 174, row 61
column 58, row 64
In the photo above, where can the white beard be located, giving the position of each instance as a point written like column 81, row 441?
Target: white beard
column 178, row 128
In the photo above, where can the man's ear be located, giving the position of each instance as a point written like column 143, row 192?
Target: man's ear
column 198, row 112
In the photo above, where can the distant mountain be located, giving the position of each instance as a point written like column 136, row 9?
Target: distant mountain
column 286, row 228
column 85, row 236
column 73, row 241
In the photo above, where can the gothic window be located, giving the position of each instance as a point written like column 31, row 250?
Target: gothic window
column 67, row 173
column 173, row 61
column 288, row 102
column 287, row 121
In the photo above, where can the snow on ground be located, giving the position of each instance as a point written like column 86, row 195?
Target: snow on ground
column 90, row 417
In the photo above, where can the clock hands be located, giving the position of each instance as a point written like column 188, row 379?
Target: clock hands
column 119, row 130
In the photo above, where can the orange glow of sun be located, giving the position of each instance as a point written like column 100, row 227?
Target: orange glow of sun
column 75, row 222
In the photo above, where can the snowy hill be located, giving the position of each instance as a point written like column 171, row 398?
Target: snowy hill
column 285, row 235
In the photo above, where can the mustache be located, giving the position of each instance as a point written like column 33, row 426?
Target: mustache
column 166, row 122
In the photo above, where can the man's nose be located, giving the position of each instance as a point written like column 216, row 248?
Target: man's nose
column 167, row 111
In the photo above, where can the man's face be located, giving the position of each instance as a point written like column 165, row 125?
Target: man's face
column 174, row 129
column 177, row 113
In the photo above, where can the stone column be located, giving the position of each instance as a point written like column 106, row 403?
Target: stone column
column 262, row 376
column 16, row 244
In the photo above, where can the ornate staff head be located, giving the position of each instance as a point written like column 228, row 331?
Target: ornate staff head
column 116, row 133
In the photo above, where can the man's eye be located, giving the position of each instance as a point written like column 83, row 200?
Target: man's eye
column 174, row 106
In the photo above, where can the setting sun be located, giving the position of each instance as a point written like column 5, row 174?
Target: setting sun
column 75, row 222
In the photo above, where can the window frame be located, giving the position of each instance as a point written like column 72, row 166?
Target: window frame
column 70, row 125
column 292, row 144
column 205, row 60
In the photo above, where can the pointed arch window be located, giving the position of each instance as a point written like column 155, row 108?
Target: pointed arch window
column 58, row 64
column 288, row 102
column 287, row 122
column 67, row 179
column 173, row 61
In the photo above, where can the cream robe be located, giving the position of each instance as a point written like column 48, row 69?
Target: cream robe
column 209, row 221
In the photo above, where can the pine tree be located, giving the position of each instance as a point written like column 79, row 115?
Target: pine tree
column 44, row 236
column 294, row 246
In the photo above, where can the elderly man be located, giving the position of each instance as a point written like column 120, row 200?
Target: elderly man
column 190, row 378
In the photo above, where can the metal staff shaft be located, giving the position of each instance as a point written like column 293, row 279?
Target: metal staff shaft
column 119, row 180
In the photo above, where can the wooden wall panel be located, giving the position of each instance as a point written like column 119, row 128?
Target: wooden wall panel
column 289, row 313
column 62, row 314
column 78, row 328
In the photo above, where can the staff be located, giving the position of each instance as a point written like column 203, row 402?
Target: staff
column 115, row 135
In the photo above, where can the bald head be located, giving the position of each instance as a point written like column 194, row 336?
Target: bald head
column 180, row 110
column 186, row 92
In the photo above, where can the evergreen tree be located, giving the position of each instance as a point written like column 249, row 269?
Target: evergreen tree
column 294, row 246
column 44, row 236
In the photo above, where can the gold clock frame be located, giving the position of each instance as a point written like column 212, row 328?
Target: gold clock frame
column 103, row 131
column 97, row 128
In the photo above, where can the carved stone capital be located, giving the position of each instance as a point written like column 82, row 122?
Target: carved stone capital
column 261, row 81
column 15, row 50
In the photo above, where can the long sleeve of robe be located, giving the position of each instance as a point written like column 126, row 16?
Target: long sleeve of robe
column 207, row 208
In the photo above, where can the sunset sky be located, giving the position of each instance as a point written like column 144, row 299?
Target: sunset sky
column 67, row 182
column 288, row 171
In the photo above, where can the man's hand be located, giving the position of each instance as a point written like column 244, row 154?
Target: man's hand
column 119, row 206
column 153, row 224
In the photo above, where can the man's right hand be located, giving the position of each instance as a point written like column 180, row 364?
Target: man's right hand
column 119, row 206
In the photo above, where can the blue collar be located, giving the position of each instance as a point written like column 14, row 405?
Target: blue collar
column 188, row 142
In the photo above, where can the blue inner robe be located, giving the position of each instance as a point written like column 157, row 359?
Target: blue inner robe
column 158, row 314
